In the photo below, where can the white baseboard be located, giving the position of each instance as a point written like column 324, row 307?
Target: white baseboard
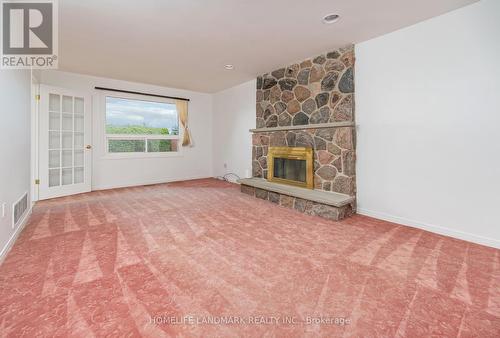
column 12, row 239
column 137, row 184
column 466, row 236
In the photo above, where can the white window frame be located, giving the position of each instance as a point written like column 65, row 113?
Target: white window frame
column 145, row 154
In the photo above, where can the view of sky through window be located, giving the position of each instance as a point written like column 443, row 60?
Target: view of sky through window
column 125, row 116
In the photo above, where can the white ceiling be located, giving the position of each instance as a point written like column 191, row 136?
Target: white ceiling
column 186, row 43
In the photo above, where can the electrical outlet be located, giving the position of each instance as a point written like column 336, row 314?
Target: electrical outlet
column 225, row 165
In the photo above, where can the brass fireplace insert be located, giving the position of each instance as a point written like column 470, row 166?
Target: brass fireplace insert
column 291, row 165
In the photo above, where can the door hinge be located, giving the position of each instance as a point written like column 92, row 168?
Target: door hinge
column 37, row 181
column 37, row 97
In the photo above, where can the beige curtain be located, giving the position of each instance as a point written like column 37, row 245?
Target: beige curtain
column 182, row 110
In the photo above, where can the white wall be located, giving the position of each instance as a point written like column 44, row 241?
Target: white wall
column 15, row 89
column 234, row 115
column 428, row 115
column 195, row 162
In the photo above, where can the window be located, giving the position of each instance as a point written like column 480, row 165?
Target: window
column 138, row 126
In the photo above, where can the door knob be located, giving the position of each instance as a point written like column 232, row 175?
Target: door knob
column 88, row 146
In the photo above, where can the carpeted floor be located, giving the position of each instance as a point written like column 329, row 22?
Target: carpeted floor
column 199, row 258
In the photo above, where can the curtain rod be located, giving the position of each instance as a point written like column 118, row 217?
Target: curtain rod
column 139, row 93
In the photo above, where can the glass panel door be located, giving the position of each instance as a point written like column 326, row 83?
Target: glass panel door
column 64, row 136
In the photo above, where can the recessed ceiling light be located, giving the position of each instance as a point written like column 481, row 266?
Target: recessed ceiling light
column 331, row 18
column 229, row 67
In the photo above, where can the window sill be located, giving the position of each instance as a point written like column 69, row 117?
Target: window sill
column 132, row 156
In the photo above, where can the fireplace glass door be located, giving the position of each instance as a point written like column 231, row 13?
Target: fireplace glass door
column 290, row 169
column 291, row 165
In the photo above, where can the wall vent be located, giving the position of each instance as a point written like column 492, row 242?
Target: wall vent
column 19, row 210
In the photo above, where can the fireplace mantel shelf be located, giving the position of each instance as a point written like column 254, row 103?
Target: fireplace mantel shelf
column 306, row 126
column 319, row 196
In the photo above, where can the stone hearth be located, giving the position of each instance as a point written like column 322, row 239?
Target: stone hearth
column 329, row 205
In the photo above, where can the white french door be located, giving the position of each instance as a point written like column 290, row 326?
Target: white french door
column 64, row 142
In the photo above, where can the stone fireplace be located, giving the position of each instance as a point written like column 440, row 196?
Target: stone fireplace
column 307, row 105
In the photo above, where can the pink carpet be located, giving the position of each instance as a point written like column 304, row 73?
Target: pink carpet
column 200, row 258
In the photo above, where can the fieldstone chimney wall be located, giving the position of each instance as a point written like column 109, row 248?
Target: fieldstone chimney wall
column 317, row 91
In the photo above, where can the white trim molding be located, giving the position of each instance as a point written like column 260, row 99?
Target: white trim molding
column 466, row 236
column 139, row 184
